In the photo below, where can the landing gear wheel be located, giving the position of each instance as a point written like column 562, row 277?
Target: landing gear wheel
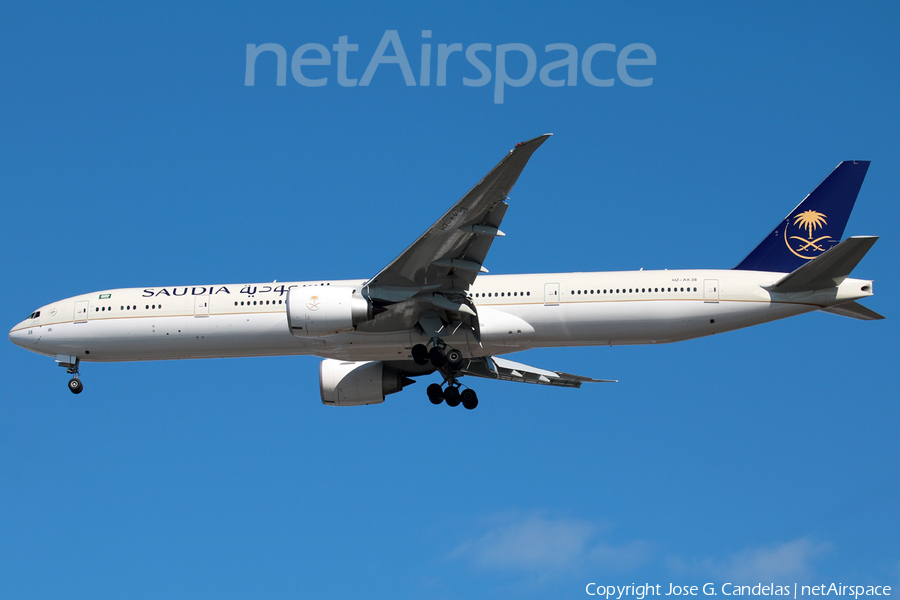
column 452, row 396
column 75, row 386
column 420, row 354
column 435, row 393
column 469, row 399
column 454, row 358
column 437, row 358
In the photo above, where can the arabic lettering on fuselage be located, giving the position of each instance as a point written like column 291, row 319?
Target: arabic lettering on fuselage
column 202, row 290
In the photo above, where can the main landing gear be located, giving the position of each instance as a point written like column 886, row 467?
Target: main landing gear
column 452, row 395
column 440, row 355
column 448, row 361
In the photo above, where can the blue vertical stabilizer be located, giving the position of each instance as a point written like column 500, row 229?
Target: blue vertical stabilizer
column 816, row 225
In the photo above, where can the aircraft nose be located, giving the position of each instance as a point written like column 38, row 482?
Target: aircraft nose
column 17, row 336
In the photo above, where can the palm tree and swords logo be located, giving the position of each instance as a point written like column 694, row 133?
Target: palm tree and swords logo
column 810, row 246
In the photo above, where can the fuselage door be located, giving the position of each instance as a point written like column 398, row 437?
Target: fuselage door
column 201, row 306
column 551, row 294
column 81, row 312
column 710, row 290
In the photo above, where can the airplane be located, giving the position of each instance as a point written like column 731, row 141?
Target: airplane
column 434, row 309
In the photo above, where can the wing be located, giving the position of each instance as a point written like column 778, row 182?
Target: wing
column 426, row 285
column 451, row 253
column 494, row 367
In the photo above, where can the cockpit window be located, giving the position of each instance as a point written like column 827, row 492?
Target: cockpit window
column 35, row 314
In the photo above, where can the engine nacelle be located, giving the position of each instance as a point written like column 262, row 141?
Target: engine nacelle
column 348, row 383
column 325, row 310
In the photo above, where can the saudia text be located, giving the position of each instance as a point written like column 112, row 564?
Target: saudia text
column 203, row 290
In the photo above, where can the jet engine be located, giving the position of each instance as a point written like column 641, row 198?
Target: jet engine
column 348, row 383
column 325, row 310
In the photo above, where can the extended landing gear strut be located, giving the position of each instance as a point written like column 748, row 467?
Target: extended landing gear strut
column 75, row 385
column 447, row 360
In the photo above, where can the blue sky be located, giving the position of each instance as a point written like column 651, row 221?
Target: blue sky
column 134, row 155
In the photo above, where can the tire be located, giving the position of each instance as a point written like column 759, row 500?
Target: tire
column 435, row 393
column 452, row 396
column 75, row 386
column 420, row 354
column 437, row 358
column 454, row 358
column 469, row 399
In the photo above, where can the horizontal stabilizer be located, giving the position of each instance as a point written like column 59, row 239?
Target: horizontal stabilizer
column 854, row 310
column 494, row 367
column 827, row 270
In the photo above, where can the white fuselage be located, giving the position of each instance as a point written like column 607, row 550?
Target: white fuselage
column 516, row 312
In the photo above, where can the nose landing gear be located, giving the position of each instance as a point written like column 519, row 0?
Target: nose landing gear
column 71, row 365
